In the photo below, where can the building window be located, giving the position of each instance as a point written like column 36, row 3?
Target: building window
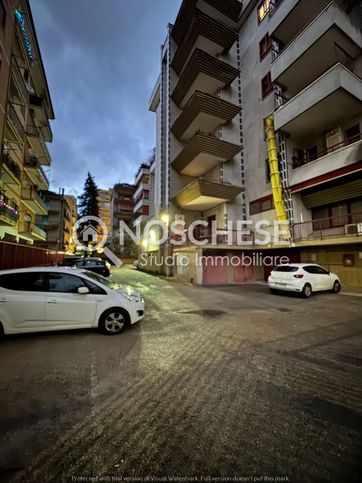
column 2, row 13
column 258, row 206
column 336, row 215
column 266, row 85
column 265, row 46
column 312, row 153
column 263, row 9
column 353, row 134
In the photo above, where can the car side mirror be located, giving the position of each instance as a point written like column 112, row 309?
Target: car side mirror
column 83, row 290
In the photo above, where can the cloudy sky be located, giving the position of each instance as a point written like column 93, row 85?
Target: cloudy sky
column 102, row 60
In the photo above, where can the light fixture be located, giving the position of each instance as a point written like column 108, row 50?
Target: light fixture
column 165, row 218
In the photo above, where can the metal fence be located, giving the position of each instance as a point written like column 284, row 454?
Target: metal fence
column 14, row 255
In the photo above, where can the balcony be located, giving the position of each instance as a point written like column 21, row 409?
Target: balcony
column 291, row 16
column 142, row 203
column 203, row 113
column 229, row 9
column 336, row 157
column 34, row 202
column 141, row 187
column 144, row 171
column 203, row 73
column 14, row 131
column 326, row 103
column 8, row 214
column 38, row 105
column 38, row 233
column 19, row 79
column 38, row 144
column 204, row 194
column 36, row 173
column 348, row 227
column 203, row 33
column 11, row 173
column 330, row 38
column 202, row 154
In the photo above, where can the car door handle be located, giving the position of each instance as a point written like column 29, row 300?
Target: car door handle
column 3, row 300
column 52, row 301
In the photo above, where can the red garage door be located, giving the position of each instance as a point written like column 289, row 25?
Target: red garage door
column 215, row 271
column 241, row 273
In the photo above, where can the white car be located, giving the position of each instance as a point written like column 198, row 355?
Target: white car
column 303, row 278
column 59, row 298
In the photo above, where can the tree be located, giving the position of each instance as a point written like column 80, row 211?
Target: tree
column 88, row 201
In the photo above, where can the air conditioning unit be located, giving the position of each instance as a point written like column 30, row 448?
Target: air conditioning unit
column 334, row 139
column 352, row 229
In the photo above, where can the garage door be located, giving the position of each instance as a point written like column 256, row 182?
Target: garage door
column 215, row 271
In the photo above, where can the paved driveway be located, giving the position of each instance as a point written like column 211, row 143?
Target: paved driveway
column 215, row 382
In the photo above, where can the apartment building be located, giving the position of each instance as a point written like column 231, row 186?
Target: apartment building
column 258, row 117
column 141, row 196
column 122, row 206
column 25, row 111
column 57, row 223
column 105, row 209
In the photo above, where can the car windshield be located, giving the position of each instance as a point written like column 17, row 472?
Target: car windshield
column 286, row 268
column 105, row 281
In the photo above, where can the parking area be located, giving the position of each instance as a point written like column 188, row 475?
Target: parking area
column 224, row 381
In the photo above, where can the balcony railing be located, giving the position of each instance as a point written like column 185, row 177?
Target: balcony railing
column 32, row 130
column 19, row 78
column 8, row 213
column 38, row 232
column 11, row 165
column 14, row 118
column 325, row 228
column 306, row 158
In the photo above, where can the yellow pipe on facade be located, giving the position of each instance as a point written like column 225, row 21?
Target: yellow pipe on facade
column 274, row 170
column 275, row 174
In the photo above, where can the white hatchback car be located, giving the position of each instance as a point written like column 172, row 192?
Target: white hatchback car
column 60, row 298
column 303, row 278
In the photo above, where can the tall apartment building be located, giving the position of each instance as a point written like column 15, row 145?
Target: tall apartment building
column 57, row 222
column 259, row 115
column 25, row 111
column 105, row 209
column 122, row 206
column 141, row 196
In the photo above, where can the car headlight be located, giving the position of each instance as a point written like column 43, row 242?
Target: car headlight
column 132, row 296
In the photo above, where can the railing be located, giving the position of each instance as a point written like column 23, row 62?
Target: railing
column 46, row 151
column 38, row 231
column 14, row 118
column 11, row 165
column 32, row 130
column 19, row 78
column 313, row 19
column 332, row 227
column 8, row 213
column 46, row 179
column 31, row 194
column 31, row 162
column 297, row 162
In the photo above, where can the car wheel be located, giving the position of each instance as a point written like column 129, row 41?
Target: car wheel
column 113, row 321
column 274, row 291
column 336, row 287
column 307, row 291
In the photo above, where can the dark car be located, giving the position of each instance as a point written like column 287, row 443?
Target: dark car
column 96, row 265
column 69, row 261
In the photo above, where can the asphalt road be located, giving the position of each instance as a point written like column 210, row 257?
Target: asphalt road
column 230, row 383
